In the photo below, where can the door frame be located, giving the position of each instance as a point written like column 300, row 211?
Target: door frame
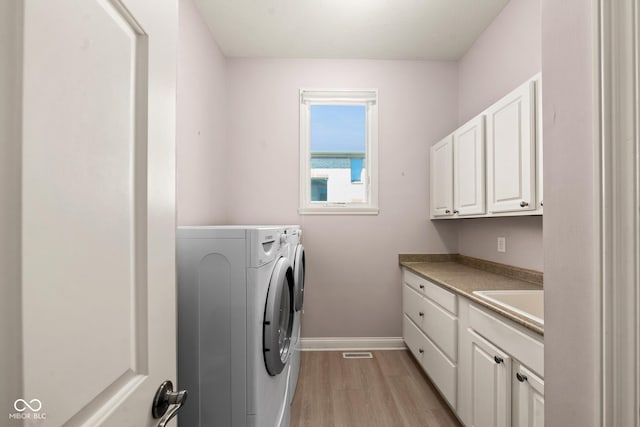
column 11, row 17
column 617, row 199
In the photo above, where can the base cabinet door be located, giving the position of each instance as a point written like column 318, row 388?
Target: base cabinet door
column 490, row 384
column 528, row 398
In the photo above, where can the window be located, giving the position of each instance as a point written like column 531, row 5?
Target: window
column 338, row 151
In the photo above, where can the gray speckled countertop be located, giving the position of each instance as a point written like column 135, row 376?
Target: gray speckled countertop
column 454, row 273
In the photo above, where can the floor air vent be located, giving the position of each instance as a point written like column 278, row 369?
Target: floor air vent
column 358, row 355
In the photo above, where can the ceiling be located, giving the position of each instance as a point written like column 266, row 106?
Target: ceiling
column 372, row 29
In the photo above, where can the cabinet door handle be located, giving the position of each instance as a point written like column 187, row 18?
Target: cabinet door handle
column 421, row 286
column 420, row 351
column 421, row 314
column 498, row 359
column 520, row 377
column 523, row 204
column 447, row 211
column 456, row 212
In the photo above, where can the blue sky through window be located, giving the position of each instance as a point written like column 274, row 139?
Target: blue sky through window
column 338, row 128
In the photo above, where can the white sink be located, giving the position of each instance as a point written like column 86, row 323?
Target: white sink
column 529, row 304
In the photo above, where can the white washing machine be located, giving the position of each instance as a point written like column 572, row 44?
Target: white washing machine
column 297, row 260
column 235, row 320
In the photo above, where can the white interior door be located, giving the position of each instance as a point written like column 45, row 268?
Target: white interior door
column 98, row 257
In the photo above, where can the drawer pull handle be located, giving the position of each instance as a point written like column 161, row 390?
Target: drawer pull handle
column 420, row 351
column 523, row 204
column 421, row 286
column 498, row 359
column 421, row 313
column 520, row 377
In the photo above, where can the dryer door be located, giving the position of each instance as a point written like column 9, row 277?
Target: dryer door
column 298, row 271
column 278, row 318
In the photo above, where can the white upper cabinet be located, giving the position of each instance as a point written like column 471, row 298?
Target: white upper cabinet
column 442, row 178
column 511, row 173
column 492, row 165
column 468, row 168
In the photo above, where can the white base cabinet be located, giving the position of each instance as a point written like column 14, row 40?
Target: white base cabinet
column 430, row 331
column 528, row 397
column 500, row 370
column 489, row 369
column 490, row 376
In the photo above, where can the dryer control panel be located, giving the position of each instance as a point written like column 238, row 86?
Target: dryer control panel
column 266, row 245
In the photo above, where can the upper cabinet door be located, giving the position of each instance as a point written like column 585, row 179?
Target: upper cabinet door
column 442, row 178
column 539, row 156
column 511, row 151
column 468, row 168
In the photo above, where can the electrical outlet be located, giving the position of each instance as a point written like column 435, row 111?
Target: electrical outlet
column 502, row 244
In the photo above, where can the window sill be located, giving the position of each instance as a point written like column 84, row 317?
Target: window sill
column 338, row 210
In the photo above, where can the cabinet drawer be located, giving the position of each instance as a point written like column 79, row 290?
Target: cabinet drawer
column 442, row 328
column 412, row 337
column 436, row 293
column 435, row 363
column 437, row 323
column 412, row 303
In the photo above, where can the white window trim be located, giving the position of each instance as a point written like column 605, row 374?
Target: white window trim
column 310, row 97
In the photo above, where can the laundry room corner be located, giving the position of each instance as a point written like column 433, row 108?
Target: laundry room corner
column 352, row 259
column 201, row 122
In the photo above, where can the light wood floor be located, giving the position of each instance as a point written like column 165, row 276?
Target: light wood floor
column 386, row 391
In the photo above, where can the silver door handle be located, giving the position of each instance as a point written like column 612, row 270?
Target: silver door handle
column 165, row 397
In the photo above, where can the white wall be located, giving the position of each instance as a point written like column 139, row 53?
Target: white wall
column 506, row 54
column 353, row 279
column 571, row 311
column 200, row 123
column 524, row 248
column 353, row 260
column 10, row 155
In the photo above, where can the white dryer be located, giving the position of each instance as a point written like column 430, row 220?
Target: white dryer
column 297, row 260
column 235, row 320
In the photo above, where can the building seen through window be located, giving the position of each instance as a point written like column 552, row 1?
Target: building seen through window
column 338, row 153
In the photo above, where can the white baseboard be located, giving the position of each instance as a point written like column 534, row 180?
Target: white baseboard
column 352, row 343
